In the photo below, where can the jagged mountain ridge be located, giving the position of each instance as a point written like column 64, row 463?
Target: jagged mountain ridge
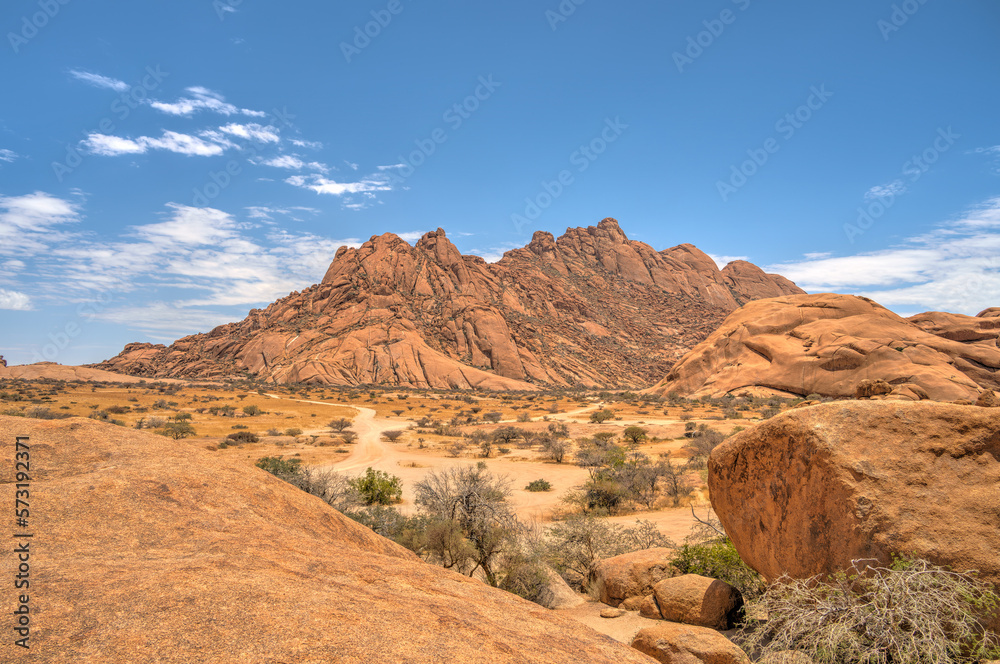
column 592, row 308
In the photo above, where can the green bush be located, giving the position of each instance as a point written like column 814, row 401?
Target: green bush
column 252, row 410
column 718, row 559
column 539, row 485
column 377, row 487
column 243, row 437
column 283, row 468
column 601, row 416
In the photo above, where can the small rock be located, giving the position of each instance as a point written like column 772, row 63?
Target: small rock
column 632, row 603
column 867, row 388
column 988, row 399
column 611, row 612
column 630, row 574
column 648, row 608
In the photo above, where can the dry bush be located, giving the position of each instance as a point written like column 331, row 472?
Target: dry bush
column 913, row 612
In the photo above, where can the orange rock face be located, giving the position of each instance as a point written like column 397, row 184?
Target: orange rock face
column 154, row 550
column 827, row 344
column 592, row 308
column 812, row 489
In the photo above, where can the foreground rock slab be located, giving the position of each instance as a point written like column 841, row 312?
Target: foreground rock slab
column 806, row 492
column 672, row 643
column 154, row 550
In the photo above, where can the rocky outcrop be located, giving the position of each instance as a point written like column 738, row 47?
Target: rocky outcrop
column 672, row 643
column 698, row 600
column 614, row 580
column 591, row 308
column 53, row 371
column 812, row 489
column 826, row 344
column 155, row 550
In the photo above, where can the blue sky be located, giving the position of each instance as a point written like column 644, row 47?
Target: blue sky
column 167, row 166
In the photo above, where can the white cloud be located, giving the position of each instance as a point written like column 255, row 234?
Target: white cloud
column 352, row 166
column 314, row 145
column 891, row 189
column 392, row 167
column 14, row 300
column 322, row 185
column 956, row 267
column 203, row 99
column 411, row 236
column 252, row 132
column 723, row 261
column 28, row 223
column 294, row 163
column 110, row 146
column 165, row 318
column 99, row 81
column 8, row 155
column 190, row 226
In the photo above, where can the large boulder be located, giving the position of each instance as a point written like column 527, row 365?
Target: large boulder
column 155, row 550
column 812, row 489
column 673, row 643
column 827, row 343
column 698, row 600
column 630, row 575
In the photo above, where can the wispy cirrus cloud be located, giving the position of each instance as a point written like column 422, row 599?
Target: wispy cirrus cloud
column 322, row 185
column 890, row 189
column 99, row 81
column 171, row 141
column 8, row 155
column 955, row 267
column 203, row 99
column 29, row 224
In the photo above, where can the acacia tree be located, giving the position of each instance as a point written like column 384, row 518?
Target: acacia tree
column 339, row 424
column 475, row 501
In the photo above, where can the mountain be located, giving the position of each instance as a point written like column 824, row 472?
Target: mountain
column 827, row 343
column 591, row 308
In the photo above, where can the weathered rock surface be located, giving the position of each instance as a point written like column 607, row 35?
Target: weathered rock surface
column 812, row 489
column 53, row 371
column 988, row 399
column 867, row 388
column 698, row 600
column 826, row 344
column 556, row 593
column 673, row 643
column 154, row 550
column 592, row 308
column 630, row 574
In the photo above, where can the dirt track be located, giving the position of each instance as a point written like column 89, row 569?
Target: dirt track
column 412, row 465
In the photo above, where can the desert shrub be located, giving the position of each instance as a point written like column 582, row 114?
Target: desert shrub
column 179, row 417
column 273, row 432
column 912, row 612
column 252, row 410
column 718, row 559
column 539, row 485
column 283, row 468
column 348, row 437
column 634, row 434
column 556, row 449
column 118, row 410
column 176, row 430
column 601, row 416
column 293, row 431
column 243, row 437
column 377, row 487
column 574, row 546
column 524, row 417
column 339, row 424
column 492, row 417
column 392, row 436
